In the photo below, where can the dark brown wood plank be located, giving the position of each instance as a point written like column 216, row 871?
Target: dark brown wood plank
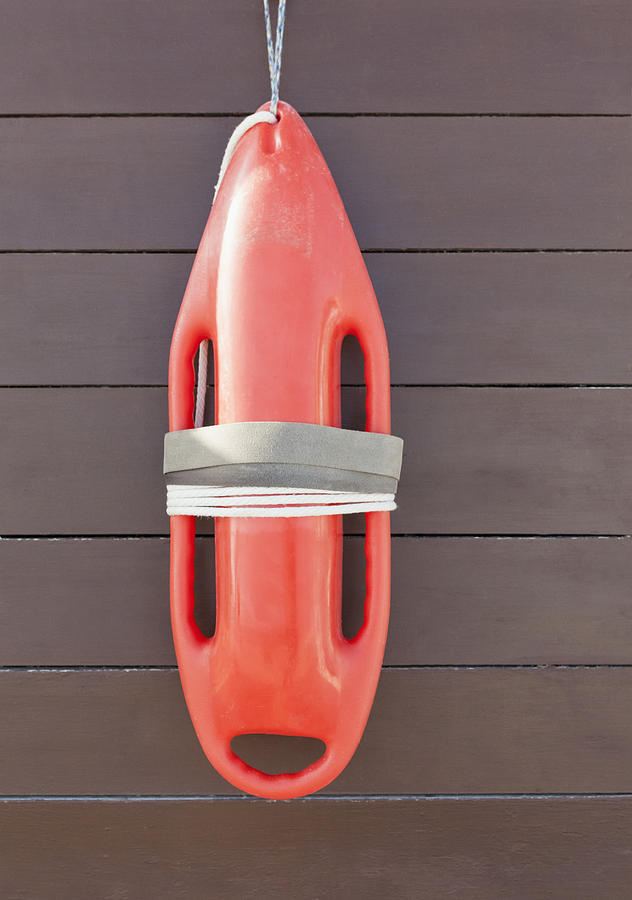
column 500, row 56
column 478, row 182
column 431, row 731
column 454, row 601
column 476, row 460
column 478, row 849
column 451, row 318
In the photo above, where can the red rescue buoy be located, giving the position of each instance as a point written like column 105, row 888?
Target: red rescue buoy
column 277, row 283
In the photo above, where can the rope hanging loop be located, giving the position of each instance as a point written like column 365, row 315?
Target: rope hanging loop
column 274, row 51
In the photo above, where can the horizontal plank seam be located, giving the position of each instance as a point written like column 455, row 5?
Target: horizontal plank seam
column 358, row 536
column 517, row 385
column 385, row 114
column 315, row 798
column 189, row 251
column 466, row 667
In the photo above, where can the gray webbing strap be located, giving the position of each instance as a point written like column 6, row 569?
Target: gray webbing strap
column 295, row 443
column 280, row 469
column 287, row 475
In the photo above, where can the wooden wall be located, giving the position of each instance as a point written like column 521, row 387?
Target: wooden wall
column 482, row 148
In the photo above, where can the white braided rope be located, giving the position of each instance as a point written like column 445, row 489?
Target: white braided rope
column 274, row 51
column 276, row 502
column 202, row 367
column 274, row 65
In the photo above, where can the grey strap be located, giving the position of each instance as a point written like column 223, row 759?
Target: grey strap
column 288, row 475
column 281, row 444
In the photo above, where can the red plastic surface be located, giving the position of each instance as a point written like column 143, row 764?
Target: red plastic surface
column 277, row 283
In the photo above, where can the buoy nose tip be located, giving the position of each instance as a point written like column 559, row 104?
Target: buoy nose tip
column 272, row 139
column 283, row 109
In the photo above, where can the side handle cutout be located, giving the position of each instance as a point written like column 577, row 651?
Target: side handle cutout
column 353, row 415
column 353, row 406
column 204, row 611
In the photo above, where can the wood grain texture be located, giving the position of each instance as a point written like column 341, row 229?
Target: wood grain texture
column 450, row 318
column 454, row 601
column 434, row 183
column 569, row 849
column 495, row 56
column 431, row 731
column 476, row 460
